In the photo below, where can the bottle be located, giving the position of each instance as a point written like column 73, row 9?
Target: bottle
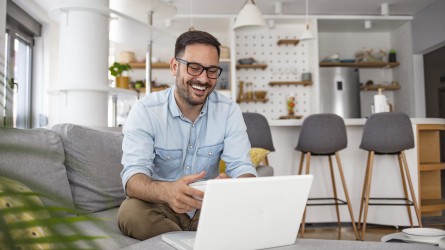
column 380, row 104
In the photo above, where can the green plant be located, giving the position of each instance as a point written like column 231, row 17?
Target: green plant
column 392, row 51
column 117, row 69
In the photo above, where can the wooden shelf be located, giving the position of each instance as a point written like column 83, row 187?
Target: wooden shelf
column 379, row 86
column 286, row 117
column 432, row 205
column 431, row 166
column 251, row 66
column 361, row 64
column 251, row 100
column 304, row 83
column 288, row 42
column 141, row 65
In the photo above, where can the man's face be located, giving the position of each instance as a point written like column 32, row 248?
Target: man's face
column 193, row 90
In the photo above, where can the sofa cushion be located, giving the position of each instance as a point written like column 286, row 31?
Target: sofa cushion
column 93, row 161
column 35, row 157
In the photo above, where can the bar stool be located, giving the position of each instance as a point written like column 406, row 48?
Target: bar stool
column 325, row 135
column 387, row 133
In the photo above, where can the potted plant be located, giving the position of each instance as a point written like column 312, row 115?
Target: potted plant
column 117, row 70
column 392, row 56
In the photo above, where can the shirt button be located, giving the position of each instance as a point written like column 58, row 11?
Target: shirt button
column 168, row 157
column 188, row 167
column 193, row 125
column 210, row 153
column 191, row 147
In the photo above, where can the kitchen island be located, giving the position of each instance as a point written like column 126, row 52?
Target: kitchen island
column 386, row 181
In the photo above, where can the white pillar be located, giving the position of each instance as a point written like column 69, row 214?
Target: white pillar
column 83, row 85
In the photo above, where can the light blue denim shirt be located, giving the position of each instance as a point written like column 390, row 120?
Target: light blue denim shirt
column 164, row 145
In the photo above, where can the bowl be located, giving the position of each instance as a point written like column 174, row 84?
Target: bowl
column 424, row 234
column 249, row 60
column 260, row 94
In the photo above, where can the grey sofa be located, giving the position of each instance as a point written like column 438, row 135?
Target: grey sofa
column 78, row 167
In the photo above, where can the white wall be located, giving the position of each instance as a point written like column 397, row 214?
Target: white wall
column 404, row 74
column 428, row 28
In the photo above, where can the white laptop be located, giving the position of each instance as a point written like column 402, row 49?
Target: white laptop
column 247, row 213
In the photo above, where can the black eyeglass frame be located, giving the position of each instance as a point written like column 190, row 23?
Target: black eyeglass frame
column 203, row 68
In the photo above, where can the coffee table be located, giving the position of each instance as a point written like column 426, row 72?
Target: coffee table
column 304, row 244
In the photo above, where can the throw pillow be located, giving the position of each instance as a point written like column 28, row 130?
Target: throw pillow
column 36, row 157
column 257, row 156
column 93, row 161
column 13, row 196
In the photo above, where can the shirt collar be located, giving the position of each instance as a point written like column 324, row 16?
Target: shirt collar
column 174, row 109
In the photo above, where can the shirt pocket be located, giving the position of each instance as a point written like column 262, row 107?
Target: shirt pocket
column 207, row 158
column 167, row 162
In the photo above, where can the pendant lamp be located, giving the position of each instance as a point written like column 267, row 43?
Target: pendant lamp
column 250, row 18
column 307, row 33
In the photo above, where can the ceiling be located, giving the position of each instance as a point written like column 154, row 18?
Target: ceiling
column 316, row 7
column 216, row 12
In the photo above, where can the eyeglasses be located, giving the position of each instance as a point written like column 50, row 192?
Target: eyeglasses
column 196, row 69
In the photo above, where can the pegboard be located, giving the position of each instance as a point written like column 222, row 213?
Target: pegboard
column 285, row 63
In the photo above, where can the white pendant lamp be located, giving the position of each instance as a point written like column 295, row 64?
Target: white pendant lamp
column 307, row 33
column 250, row 18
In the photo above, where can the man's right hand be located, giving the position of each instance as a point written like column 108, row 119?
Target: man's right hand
column 179, row 195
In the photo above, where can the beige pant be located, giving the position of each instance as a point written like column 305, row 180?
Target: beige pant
column 142, row 220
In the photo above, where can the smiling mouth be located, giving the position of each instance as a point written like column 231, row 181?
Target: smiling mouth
column 199, row 87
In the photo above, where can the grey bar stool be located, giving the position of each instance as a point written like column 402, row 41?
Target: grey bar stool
column 387, row 133
column 258, row 131
column 325, row 135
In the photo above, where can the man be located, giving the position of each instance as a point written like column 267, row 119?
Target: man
column 176, row 137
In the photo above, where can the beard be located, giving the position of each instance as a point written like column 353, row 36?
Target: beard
column 188, row 96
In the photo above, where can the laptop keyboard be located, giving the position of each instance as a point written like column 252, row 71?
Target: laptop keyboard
column 189, row 242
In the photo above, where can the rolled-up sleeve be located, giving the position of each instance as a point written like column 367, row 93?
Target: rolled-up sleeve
column 237, row 145
column 137, row 145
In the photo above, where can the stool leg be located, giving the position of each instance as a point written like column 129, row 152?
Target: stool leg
column 365, row 184
column 413, row 195
column 303, row 221
column 300, row 169
column 405, row 191
column 368, row 191
column 345, row 188
column 334, row 189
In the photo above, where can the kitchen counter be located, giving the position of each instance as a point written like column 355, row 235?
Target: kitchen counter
column 350, row 121
column 386, row 180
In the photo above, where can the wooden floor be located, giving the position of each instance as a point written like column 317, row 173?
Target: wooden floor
column 373, row 232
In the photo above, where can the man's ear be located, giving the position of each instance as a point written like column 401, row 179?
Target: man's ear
column 174, row 66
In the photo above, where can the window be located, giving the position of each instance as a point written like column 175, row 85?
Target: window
column 20, row 32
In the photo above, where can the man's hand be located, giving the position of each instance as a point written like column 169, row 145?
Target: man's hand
column 179, row 195
column 223, row 176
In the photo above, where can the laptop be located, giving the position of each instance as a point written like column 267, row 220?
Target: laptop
column 247, row 213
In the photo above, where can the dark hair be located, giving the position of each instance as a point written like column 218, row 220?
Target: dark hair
column 193, row 37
